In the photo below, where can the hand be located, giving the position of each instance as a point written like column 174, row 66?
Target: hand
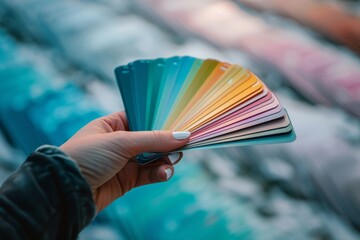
column 104, row 150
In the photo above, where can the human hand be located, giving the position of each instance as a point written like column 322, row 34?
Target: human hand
column 104, row 150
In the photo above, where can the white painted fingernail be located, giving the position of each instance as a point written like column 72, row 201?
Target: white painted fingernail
column 174, row 157
column 181, row 135
column 168, row 172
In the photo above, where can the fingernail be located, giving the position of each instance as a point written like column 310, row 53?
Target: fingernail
column 181, row 135
column 174, row 157
column 168, row 172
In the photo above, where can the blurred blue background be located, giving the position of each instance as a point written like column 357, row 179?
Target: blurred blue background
column 56, row 74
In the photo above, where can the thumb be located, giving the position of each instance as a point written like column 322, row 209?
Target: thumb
column 152, row 141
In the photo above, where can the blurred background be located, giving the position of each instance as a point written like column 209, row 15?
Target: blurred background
column 56, row 74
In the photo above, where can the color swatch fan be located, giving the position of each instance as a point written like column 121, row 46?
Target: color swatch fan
column 221, row 104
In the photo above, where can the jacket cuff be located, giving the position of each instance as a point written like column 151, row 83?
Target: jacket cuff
column 77, row 192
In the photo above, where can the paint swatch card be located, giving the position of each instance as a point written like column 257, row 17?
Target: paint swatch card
column 221, row 104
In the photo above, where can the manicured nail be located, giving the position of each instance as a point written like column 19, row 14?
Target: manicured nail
column 174, row 157
column 181, row 135
column 168, row 172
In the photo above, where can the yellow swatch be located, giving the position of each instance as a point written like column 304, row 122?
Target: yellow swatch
column 252, row 86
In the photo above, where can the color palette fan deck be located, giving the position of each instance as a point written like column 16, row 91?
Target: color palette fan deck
column 221, row 104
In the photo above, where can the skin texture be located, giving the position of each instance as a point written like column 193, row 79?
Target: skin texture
column 104, row 150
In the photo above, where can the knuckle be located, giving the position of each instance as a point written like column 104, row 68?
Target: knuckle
column 157, row 136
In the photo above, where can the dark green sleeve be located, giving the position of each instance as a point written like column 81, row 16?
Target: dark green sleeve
column 46, row 198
